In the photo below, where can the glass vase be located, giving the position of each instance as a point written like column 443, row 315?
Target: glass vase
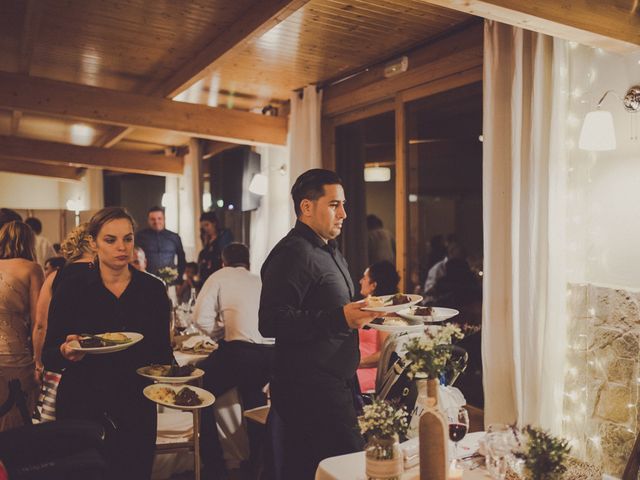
column 384, row 459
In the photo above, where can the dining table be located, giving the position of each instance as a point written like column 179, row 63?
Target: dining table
column 352, row 466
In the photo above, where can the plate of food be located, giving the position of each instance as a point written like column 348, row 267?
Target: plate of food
column 178, row 396
column 170, row 373
column 105, row 342
column 428, row 314
column 395, row 324
column 391, row 303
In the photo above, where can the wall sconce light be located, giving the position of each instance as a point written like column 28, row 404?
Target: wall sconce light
column 259, row 184
column 376, row 173
column 598, row 133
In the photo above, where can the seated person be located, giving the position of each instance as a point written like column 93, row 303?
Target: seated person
column 139, row 259
column 381, row 278
column 227, row 310
column 451, row 283
column 183, row 290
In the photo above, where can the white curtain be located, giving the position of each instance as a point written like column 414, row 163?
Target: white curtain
column 183, row 204
column 524, row 321
column 271, row 221
column 304, row 132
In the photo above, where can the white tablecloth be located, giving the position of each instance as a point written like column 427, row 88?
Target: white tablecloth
column 352, row 466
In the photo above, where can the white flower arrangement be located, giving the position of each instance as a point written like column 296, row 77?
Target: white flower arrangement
column 382, row 419
column 430, row 353
column 168, row 274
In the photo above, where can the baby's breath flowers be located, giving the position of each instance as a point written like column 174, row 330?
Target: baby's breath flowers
column 382, row 419
column 430, row 353
column 168, row 275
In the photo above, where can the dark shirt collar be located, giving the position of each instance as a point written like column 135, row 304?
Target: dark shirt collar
column 307, row 232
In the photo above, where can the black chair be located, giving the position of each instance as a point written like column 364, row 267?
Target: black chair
column 61, row 450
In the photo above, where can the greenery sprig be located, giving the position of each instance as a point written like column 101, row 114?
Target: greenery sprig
column 544, row 455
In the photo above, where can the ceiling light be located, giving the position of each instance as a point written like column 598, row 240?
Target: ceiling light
column 377, row 174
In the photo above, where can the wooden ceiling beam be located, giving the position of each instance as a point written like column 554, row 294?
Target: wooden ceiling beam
column 611, row 25
column 92, row 157
column 257, row 20
column 62, row 172
column 31, row 27
column 101, row 105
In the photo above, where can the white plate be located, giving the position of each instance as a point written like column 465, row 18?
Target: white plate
column 440, row 314
column 197, row 373
column 206, row 397
column 394, row 308
column 134, row 336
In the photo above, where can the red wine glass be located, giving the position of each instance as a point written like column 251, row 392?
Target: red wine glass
column 458, row 426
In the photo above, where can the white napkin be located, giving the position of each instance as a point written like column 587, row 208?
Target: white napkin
column 411, row 452
column 197, row 340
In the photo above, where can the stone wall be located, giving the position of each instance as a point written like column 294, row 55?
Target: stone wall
column 600, row 413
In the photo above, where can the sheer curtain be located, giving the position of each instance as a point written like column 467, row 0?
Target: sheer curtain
column 305, row 147
column 524, row 321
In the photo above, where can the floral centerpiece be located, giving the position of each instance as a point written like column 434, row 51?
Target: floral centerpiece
column 168, row 275
column 431, row 353
column 544, row 455
column 381, row 423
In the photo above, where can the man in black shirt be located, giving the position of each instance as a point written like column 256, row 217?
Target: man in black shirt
column 306, row 305
column 160, row 245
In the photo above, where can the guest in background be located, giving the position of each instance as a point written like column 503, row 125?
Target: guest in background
column 189, row 281
column 454, row 284
column 227, row 310
column 382, row 246
column 20, row 282
column 160, row 245
column 139, row 259
column 53, row 264
column 113, row 297
column 78, row 254
column 44, row 248
column 214, row 239
column 7, row 215
column 381, row 278
column 56, row 247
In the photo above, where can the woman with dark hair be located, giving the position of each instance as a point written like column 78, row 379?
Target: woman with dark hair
column 20, row 282
column 381, row 278
column 214, row 239
column 112, row 297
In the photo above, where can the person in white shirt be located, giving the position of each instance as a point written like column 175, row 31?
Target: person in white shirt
column 44, row 248
column 227, row 310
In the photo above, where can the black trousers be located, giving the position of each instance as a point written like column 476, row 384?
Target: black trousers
column 129, row 420
column 318, row 421
column 243, row 365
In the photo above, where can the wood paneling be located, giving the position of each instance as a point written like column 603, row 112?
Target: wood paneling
column 329, row 38
column 125, row 109
column 31, row 168
column 64, row 154
column 613, row 25
column 401, row 195
column 444, row 58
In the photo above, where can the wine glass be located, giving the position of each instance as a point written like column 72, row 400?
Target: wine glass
column 458, row 426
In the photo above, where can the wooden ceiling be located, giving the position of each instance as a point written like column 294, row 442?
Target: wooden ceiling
column 241, row 55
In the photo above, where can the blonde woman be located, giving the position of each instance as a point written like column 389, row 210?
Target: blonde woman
column 20, row 281
column 76, row 249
